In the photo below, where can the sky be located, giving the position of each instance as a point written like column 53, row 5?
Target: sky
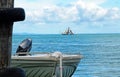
column 82, row 16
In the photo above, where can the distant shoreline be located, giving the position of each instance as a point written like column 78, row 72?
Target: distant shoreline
column 58, row 34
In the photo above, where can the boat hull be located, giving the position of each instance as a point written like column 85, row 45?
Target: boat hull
column 46, row 66
column 35, row 67
column 68, row 67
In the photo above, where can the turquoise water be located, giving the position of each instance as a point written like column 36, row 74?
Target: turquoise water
column 101, row 51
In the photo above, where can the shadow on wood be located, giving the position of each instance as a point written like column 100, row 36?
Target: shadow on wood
column 12, row 72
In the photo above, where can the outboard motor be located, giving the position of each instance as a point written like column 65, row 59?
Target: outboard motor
column 24, row 47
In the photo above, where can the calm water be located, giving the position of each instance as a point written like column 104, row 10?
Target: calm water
column 101, row 51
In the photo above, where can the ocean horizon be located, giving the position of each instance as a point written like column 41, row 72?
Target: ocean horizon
column 100, row 51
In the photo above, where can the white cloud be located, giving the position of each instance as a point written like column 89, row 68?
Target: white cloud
column 113, row 14
column 94, row 1
column 82, row 10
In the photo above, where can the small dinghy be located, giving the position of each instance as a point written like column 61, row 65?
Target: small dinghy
column 54, row 64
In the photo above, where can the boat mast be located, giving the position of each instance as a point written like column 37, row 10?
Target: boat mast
column 68, row 31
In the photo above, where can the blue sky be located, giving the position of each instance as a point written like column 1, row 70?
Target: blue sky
column 82, row 16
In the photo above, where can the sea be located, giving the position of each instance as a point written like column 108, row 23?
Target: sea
column 101, row 52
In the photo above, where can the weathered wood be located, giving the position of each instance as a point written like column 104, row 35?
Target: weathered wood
column 5, row 36
column 6, row 3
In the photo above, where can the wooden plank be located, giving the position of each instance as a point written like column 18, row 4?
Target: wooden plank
column 5, row 36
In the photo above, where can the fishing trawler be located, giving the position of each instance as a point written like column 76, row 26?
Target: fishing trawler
column 68, row 32
column 54, row 64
